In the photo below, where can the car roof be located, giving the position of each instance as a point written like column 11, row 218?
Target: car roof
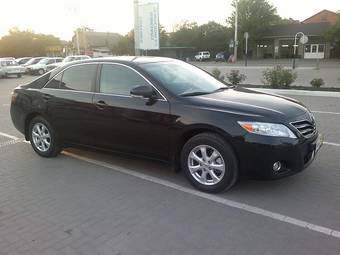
column 130, row 60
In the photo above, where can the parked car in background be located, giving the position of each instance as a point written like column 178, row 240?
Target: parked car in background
column 41, row 67
column 202, row 55
column 10, row 67
column 222, row 56
column 33, row 61
column 22, row 61
column 169, row 110
column 68, row 59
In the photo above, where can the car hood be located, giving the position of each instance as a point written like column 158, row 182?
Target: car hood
column 252, row 103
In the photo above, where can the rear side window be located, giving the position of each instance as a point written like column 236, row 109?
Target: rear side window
column 39, row 83
column 81, row 77
column 117, row 79
column 54, row 83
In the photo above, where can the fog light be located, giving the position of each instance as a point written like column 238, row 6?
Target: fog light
column 277, row 166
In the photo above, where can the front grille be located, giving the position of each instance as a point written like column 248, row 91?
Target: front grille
column 305, row 127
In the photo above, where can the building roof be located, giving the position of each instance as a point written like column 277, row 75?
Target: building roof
column 290, row 30
column 101, row 39
column 322, row 16
column 97, row 39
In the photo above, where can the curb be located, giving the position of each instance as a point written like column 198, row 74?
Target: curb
column 298, row 92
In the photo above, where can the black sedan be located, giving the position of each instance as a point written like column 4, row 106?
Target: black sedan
column 168, row 110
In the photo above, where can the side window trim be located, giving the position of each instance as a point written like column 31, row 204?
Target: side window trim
column 97, row 91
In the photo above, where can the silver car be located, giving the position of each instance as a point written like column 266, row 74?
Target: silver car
column 10, row 67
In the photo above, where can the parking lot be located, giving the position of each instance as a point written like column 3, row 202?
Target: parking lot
column 92, row 202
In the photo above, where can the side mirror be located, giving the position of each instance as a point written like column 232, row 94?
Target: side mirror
column 143, row 91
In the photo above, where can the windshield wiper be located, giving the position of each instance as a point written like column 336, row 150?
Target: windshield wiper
column 197, row 93
column 220, row 89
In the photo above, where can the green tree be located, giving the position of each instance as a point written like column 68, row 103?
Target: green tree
column 333, row 34
column 255, row 17
column 126, row 45
column 210, row 36
column 26, row 43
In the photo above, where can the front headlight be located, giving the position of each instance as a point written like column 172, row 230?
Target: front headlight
column 267, row 129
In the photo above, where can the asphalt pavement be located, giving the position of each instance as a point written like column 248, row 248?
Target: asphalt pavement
column 93, row 202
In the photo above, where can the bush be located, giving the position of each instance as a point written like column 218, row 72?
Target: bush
column 317, row 82
column 235, row 77
column 278, row 77
column 217, row 74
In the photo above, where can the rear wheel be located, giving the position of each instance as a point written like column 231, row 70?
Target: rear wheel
column 209, row 163
column 43, row 138
column 41, row 71
column 19, row 75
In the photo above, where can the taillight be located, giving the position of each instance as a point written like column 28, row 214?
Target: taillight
column 14, row 97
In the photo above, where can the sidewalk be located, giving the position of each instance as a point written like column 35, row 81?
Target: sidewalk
column 328, row 70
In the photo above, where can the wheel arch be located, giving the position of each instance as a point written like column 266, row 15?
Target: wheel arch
column 193, row 131
column 28, row 120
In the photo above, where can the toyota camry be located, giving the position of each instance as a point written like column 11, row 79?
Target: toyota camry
column 168, row 110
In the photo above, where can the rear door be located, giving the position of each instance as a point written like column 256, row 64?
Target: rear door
column 126, row 123
column 69, row 100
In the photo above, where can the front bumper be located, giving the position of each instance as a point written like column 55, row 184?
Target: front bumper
column 257, row 154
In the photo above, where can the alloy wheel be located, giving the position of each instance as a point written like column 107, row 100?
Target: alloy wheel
column 41, row 137
column 206, row 165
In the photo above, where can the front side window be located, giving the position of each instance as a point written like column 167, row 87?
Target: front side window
column 81, row 77
column 117, row 79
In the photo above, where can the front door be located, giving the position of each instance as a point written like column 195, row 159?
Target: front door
column 126, row 123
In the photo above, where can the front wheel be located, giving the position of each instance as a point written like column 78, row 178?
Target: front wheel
column 209, row 163
column 19, row 75
column 43, row 138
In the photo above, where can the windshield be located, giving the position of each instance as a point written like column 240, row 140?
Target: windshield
column 43, row 61
column 69, row 59
column 9, row 63
column 33, row 61
column 183, row 79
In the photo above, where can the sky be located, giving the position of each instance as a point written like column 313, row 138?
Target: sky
column 61, row 17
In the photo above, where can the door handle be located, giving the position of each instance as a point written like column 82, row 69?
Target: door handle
column 101, row 104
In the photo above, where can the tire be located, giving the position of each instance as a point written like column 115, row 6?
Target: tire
column 51, row 137
column 19, row 75
column 41, row 71
column 213, row 143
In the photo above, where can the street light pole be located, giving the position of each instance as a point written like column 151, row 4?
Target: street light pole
column 235, row 35
column 295, row 46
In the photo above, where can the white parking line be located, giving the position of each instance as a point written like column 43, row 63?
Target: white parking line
column 215, row 198
column 9, row 136
column 332, row 144
column 335, row 113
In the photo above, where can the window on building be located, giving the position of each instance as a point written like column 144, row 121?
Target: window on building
column 117, row 79
column 314, row 48
column 321, row 48
column 307, row 48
